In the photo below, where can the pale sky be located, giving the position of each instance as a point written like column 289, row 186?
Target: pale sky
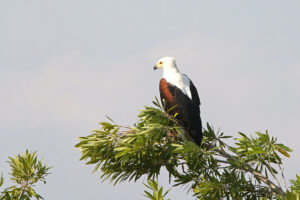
column 65, row 64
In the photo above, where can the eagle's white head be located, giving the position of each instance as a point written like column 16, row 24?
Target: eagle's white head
column 166, row 63
column 173, row 76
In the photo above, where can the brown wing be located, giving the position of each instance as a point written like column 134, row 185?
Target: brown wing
column 166, row 95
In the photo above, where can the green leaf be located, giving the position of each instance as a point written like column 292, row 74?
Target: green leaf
column 1, row 180
column 283, row 152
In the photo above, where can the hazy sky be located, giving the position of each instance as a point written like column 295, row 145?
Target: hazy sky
column 65, row 64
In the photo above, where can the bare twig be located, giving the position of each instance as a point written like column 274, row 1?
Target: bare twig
column 282, row 174
column 269, row 164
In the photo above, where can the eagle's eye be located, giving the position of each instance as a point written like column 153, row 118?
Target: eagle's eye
column 160, row 63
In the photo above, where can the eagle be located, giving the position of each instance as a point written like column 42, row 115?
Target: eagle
column 180, row 96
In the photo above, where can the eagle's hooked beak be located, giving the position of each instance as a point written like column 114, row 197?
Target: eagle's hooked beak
column 158, row 65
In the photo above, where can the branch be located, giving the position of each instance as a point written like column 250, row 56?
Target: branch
column 247, row 167
column 23, row 190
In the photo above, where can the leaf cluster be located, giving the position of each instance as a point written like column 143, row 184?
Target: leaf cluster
column 294, row 192
column 128, row 154
column 26, row 171
column 157, row 192
column 260, row 152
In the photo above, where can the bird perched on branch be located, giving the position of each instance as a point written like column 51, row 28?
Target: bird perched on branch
column 179, row 94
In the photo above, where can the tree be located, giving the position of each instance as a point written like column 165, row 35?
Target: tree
column 250, row 169
column 26, row 171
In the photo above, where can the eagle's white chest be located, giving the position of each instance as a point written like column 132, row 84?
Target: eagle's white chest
column 179, row 80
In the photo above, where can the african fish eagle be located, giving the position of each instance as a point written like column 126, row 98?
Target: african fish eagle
column 179, row 92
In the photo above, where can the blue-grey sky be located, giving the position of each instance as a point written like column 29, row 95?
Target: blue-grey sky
column 65, row 64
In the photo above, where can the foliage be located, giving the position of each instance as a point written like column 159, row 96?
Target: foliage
column 157, row 192
column 1, row 180
column 26, row 171
column 251, row 169
column 294, row 192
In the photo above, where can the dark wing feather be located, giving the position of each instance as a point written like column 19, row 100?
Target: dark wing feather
column 195, row 96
